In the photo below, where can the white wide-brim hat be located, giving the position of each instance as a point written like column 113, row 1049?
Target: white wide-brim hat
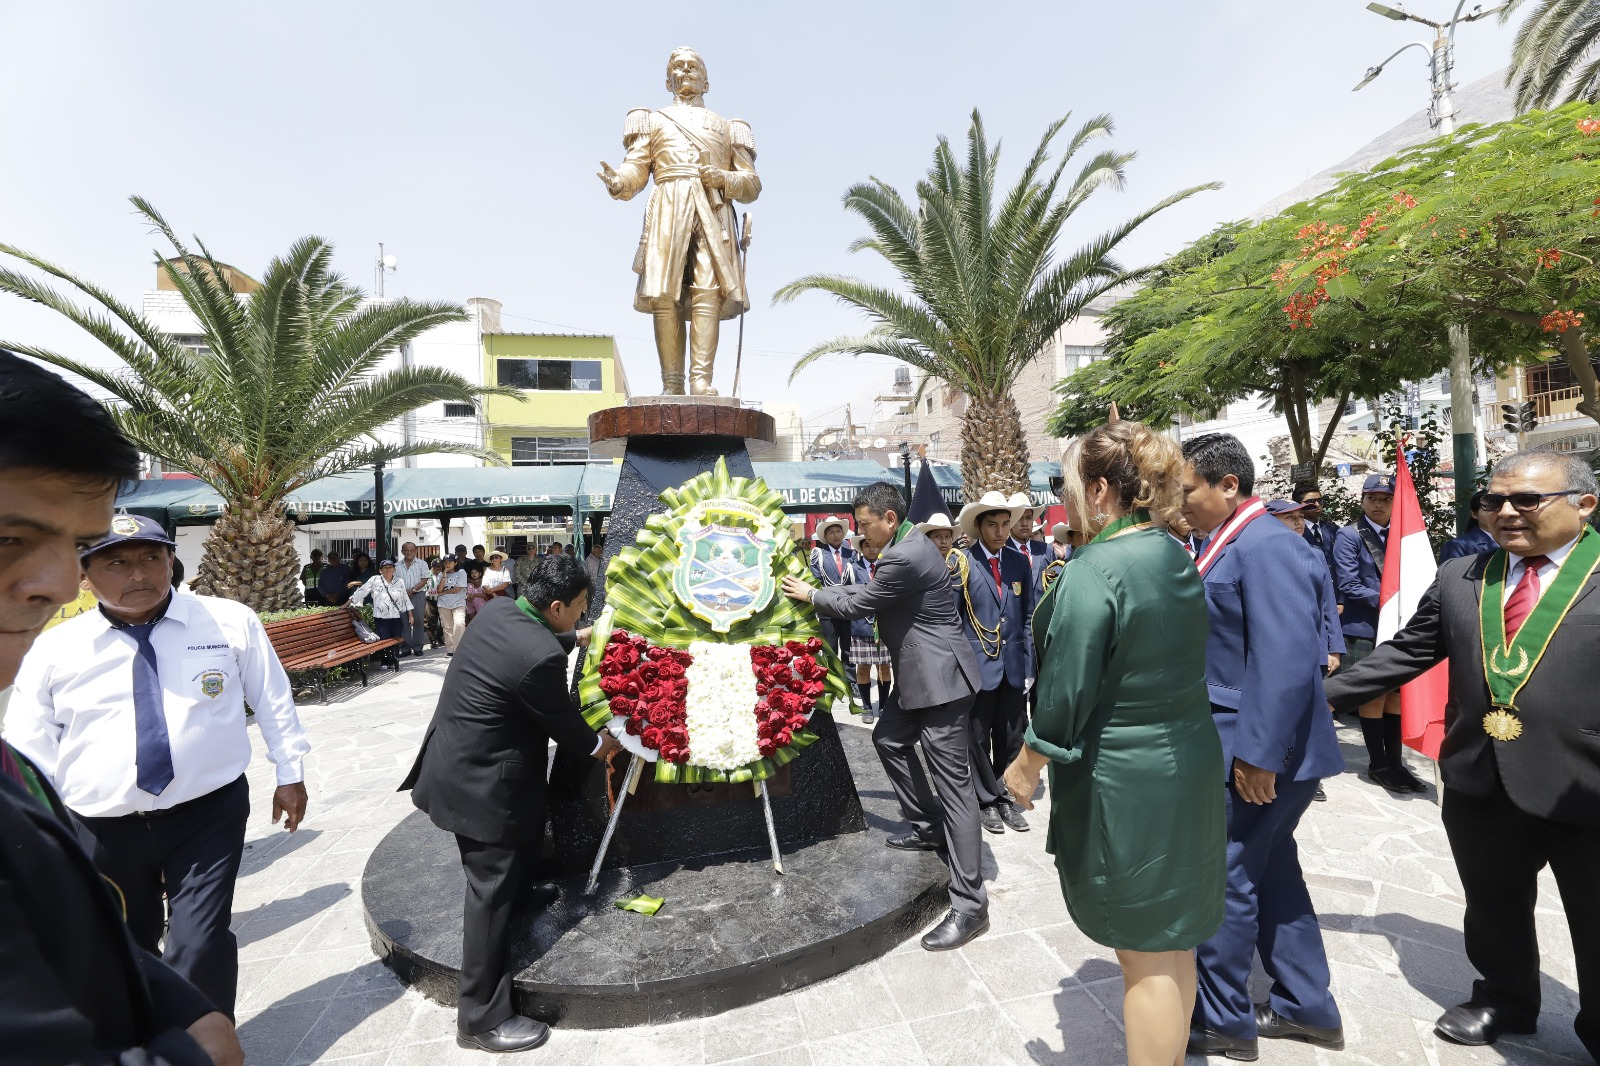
column 831, row 521
column 1060, row 532
column 937, row 520
column 990, row 501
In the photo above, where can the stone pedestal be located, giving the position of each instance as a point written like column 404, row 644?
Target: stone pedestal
column 666, row 441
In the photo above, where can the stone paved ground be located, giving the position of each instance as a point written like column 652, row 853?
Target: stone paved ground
column 1033, row 990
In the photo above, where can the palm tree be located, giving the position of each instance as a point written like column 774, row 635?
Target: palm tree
column 284, row 390
column 985, row 290
column 1554, row 60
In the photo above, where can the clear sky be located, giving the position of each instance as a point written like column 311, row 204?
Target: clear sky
column 466, row 136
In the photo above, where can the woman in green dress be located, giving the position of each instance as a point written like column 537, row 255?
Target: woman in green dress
column 1124, row 723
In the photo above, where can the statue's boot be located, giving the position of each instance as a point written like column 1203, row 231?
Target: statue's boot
column 705, row 320
column 669, row 349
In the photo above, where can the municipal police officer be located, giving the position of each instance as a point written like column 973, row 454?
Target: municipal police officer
column 136, row 713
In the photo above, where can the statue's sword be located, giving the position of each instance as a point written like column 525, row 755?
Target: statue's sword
column 629, row 783
column 744, row 278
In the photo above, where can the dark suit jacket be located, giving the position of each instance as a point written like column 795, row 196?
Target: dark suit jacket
column 1263, row 596
column 822, row 567
column 1553, row 770
column 1475, row 541
column 1357, row 581
column 73, row 986
column 1011, row 611
column 933, row 664
column 482, row 769
column 1328, row 532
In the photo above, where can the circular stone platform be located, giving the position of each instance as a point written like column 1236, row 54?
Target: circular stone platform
column 730, row 933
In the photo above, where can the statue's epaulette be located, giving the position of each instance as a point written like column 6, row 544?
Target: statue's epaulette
column 740, row 136
column 637, row 122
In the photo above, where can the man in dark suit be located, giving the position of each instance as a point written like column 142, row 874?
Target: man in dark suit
column 1265, row 658
column 833, row 562
column 73, row 985
column 481, row 775
column 997, row 598
column 1358, row 558
column 1521, row 750
column 935, row 676
column 1319, row 532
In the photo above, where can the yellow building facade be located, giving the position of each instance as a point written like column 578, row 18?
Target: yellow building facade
column 561, row 381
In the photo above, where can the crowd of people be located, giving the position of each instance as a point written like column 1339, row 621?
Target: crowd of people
column 1174, row 661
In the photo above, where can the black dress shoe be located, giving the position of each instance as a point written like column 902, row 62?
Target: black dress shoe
column 516, row 1033
column 956, row 929
column 1011, row 814
column 1274, row 1026
column 989, row 818
column 1321, row 796
column 1386, row 777
column 540, row 895
column 1407, row 778
column 1210, row 1042
column 1476, row 1025
column 912, row 842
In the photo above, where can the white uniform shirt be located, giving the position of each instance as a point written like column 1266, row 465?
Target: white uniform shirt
column 72, row 708
column 389, row 598
column 413, row 573
column 1547, row 572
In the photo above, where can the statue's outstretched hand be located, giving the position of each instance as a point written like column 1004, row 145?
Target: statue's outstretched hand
column 612, row 181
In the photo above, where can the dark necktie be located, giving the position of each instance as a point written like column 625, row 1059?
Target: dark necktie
column 838, row 564
column 152, row 748
column 1521, row 602
column 1316, row 535
column 994, row 568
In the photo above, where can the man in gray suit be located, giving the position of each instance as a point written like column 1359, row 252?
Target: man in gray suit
column 935, row 676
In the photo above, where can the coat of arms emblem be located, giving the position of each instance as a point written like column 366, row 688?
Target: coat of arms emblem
column 724, row 571
column 211, row 683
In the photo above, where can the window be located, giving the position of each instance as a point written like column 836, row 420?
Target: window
column 930, row 405
column 1553, row 376
column 1074, row 356
column 549, row 451
column 459, row 410
column 549, row 375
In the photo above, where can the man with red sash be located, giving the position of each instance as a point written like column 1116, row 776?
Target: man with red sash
column 1264, row 668
column 1520, row 627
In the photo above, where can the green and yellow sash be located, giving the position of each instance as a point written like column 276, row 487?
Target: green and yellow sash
column 1507, row 665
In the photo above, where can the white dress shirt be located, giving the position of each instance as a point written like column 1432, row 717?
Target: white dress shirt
column 72, row 709
column 390, row 599
column 413, row 573
column 1546, row 573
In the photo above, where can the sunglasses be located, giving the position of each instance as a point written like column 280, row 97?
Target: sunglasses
column 1524, row 502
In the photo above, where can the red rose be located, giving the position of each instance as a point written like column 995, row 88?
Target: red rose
column 613, row 686
column 660, row 716
column 679, row 689
column 632, row 726
column 647, row 672
column 651, row 737
column 783, row 738
column 622, row 705
column 814, row 645
column 813, row 689
column 766, row 748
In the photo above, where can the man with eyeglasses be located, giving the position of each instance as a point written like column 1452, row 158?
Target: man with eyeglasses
column 1520, row 627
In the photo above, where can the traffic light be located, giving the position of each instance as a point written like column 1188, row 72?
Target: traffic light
column 1519, row 418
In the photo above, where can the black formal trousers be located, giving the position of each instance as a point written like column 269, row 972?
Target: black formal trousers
column 1499, row 850
column 998, row 724
column 496, row 876
column 952, row 816
column 191, row 853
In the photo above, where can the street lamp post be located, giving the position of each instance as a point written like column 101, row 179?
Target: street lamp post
column 905, row 462
column 1442, row 118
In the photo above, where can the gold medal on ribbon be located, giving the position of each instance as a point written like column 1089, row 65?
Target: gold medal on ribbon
column 1502, row 725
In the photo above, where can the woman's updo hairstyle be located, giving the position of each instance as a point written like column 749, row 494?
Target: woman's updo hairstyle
column 1144, row 468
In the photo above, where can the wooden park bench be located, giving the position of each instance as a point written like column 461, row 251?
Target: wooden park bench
column 319, row 642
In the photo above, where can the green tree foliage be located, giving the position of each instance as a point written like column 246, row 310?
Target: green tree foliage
column 981, row 285
column 1554, row 59
column 286, row 389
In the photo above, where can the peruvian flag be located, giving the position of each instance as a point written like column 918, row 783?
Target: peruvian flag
column 1408, row 570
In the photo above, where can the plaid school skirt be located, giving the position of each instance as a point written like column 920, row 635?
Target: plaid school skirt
column 864, row 651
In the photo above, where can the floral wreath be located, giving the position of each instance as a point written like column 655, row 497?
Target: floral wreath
column 703, row 700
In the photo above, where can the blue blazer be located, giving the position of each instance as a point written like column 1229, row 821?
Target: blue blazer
column 1476, row 542
column 1329, row 533
column 861, row 627
column 1012, row 612
column 1356, row 579
column 822, row 567
column 1332, row 631
column 1264, row 597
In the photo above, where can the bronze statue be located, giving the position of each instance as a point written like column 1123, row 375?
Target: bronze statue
column 690, row 276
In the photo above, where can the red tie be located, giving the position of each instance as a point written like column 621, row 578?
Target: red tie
column 994, row 568
column 1520, row 603
column 838, row 564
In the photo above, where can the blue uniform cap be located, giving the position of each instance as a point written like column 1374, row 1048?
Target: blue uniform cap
column 1378, row 483
column 1284, row 507
column 129, row 527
